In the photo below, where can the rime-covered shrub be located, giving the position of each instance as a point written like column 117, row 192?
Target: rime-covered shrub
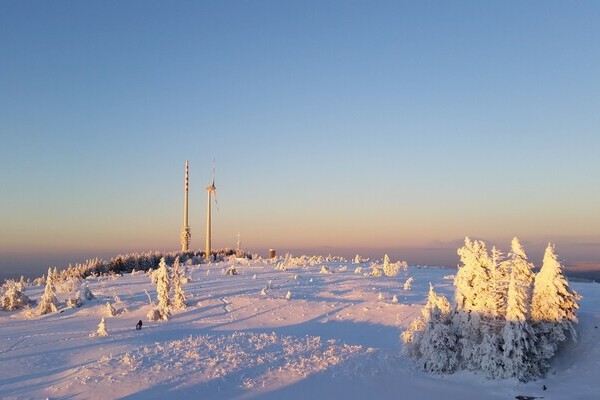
column 231, row 270
column 86, row 293
column 376, row 270
column 101, row 331
column 14, row 298
column 110, row 310
column 325, row 270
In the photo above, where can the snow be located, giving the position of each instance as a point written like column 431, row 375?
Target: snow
column 241, row 337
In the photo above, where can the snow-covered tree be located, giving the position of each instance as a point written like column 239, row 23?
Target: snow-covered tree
column 102, row 328
column 489, row 355
column 520, row 284
column 408, row 284
column 472, row 281
column 163, row 289
column 521, row 358
column 389, row 268
column 179, row 297
column 553, row 300
column 14, row 298
column 553, row 306
column 110, row 310
column 86, row 293
column 376, row 269
column 431, row 339
column 48, row 301
column 499, row 284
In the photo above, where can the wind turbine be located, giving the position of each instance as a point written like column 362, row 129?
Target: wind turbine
column 210, row 189
column 185, row 230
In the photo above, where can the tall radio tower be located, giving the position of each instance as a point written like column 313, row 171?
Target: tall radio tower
column 185, row 230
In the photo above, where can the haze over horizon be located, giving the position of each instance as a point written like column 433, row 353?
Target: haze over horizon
column 382, row 127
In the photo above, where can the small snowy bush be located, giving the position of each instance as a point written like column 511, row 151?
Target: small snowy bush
column 102, row 328
column 231, row 271
column 325, row 270
column 158, row 314
column 376, row 270
column 110, row 310
column 14, row 298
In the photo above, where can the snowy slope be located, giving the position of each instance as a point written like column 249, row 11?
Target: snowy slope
column 336, row 337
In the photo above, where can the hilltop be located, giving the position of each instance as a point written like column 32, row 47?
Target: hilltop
column 295, row 328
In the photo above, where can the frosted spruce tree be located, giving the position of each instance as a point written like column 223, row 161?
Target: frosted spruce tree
column 110, row 310
column 163, row 287
column 500, row 274
column 178, row 277
column 473, row 293
column 86, row 293
column 48, row 300
column 389, row 268
column 101, row 328
column 521, row 359
column 473, row 278
column 430, row 339
column 553, row 306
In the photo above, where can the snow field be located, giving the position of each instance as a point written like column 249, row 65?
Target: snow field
column 334, row 337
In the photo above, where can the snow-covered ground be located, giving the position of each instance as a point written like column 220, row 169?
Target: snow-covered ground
column 337, row 336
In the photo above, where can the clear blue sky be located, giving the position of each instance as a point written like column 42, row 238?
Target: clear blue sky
column 378, row 126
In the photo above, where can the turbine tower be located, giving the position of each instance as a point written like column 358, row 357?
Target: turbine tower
column 185, row 230
column 210, row 189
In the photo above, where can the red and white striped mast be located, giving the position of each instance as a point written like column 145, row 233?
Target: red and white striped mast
column 185, row 231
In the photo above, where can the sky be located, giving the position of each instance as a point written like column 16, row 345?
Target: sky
column 336, row 127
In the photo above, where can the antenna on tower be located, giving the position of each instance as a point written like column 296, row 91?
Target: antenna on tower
column 185, row 230
column 239, row 243
column 210, row 189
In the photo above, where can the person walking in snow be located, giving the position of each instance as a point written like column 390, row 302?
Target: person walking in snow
column 138, row 326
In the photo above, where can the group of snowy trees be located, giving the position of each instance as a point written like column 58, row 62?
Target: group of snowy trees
column 138, row 261
column 507, row 321
column 14, row 297
column 168, row 279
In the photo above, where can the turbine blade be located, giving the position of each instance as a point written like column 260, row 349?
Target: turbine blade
column 216, row 202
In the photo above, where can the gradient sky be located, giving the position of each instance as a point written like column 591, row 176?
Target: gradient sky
column 393, row 126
